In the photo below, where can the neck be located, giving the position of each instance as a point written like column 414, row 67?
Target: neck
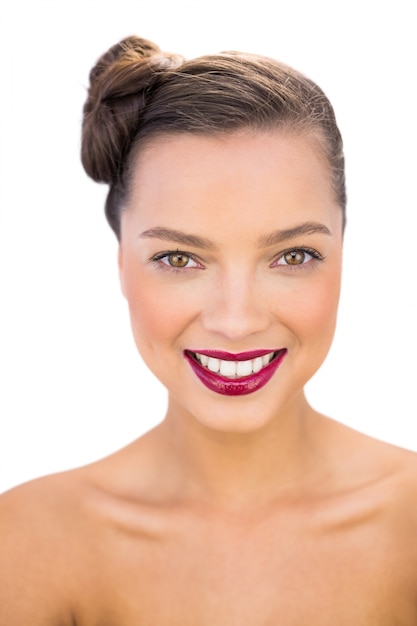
column 234, row 469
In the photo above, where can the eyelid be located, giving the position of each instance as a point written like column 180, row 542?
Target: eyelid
column 315, row 254
column 155, row 258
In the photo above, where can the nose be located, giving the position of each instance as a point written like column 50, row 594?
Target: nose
column 236, row 308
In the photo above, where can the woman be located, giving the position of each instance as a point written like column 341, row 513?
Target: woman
column 244, row 506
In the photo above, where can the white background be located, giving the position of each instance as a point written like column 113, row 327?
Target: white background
column 73, row 388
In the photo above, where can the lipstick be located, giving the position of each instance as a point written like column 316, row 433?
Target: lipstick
column 234, row 374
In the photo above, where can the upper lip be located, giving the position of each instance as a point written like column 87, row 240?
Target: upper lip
column 237, row 356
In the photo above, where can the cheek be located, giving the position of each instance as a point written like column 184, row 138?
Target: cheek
column 321, row 313
column 148, row 312
column 159, row 314
column 311, row 312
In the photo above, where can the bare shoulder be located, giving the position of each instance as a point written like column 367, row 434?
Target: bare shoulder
column 396, row 465
column 41, row 539
column 386, row 473
column 398, row 491
column 406, row 481
column 58, row 538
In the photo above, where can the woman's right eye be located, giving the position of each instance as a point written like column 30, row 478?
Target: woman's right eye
column 176, row 260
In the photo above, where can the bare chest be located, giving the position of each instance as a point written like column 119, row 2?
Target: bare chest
column 206, row 575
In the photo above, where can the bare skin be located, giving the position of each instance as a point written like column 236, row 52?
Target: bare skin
column 105, row 545
column 248, row 510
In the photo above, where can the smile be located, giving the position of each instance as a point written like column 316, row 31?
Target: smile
column 235, row 374
column 234, row 368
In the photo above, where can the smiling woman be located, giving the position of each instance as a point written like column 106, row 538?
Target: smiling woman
column 245, row 505
column 244, row 285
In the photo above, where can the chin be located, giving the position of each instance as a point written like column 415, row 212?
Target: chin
column 239, row 415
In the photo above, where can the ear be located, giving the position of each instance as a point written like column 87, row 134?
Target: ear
column 121, row 272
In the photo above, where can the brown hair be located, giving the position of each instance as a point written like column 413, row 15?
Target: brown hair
column 137, row 92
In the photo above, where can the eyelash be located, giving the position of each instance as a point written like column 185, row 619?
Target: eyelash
column 157, row 259
column 315, row 254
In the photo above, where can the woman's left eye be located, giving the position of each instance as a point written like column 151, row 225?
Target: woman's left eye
column 297, row 256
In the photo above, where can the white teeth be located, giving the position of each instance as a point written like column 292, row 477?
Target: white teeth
column 228, row 369
column 213, row 364
column 257, row 364
column 244, row 368
column 234, row 369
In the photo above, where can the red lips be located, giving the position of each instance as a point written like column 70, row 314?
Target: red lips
column 240, row 386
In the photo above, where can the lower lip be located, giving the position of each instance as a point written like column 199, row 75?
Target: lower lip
column 240, row 386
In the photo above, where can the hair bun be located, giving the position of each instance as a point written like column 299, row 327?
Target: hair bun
column 119, row 83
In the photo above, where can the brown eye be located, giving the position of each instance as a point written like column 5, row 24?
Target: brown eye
column 177, row 259
column 298, row 257
column 294, row 257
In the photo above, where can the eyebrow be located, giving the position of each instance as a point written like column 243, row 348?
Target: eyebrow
column 169, row 234
column 307, row 228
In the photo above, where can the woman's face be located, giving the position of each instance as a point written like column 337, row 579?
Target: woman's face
column 230, row 260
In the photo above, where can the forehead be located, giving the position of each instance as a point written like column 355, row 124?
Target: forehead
column 248, row 177
column 272, row 146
